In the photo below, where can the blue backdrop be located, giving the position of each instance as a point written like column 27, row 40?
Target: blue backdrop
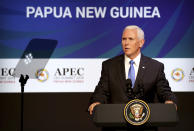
column 170, row 36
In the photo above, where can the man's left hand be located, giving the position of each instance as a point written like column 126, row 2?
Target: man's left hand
column 171, row 102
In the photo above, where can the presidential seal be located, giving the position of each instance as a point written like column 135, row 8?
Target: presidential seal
column 136, row 112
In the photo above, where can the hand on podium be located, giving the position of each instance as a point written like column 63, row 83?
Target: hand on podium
column 170, row 102
column 91, row 107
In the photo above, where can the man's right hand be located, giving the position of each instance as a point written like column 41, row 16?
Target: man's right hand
column 91, row 107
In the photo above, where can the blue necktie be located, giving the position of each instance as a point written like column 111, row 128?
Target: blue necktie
column 131, row 74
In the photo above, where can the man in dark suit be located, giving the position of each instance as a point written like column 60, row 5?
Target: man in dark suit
column 147, row 76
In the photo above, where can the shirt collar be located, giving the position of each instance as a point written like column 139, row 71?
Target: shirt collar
column 136, row 60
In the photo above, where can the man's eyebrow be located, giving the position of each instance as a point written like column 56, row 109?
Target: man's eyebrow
column 131, row 38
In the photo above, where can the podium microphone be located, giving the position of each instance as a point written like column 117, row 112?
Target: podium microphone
column 140, row 94
column 130, row 93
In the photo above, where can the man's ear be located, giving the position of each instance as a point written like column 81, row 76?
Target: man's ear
column 141, row 43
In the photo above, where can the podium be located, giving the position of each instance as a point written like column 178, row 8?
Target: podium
column 112, row 115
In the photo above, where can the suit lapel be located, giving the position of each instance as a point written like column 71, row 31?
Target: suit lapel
column 141, row 71
column 121, row 73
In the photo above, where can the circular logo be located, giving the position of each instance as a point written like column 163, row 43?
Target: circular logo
column 136, row 112
column 177, row 74
column 42, row 75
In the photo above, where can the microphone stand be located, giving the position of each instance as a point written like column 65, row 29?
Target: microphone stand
column 22, row 81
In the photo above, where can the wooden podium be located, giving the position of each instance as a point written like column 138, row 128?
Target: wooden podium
column 112, row 115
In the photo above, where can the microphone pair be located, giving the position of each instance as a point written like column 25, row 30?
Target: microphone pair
column 133, row 95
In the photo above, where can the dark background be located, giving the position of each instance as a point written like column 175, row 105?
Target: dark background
column 67, row 112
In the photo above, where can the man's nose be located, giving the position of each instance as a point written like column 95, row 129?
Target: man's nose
column 127, row 42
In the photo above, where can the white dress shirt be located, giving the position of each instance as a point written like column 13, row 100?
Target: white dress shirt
column 136, row 65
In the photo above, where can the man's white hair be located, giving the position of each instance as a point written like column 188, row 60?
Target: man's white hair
column 140, row 33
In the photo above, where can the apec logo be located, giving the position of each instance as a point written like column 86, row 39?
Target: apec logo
column 191, row 75
column 7, row 71
column 7, row 75
column 42, row 75
column 177, row 74
column 70, row 72
column 69, row 75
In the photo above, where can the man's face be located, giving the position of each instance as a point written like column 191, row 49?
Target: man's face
column 130, row 43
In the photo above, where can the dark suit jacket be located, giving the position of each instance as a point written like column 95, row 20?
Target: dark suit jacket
column 112, row 85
